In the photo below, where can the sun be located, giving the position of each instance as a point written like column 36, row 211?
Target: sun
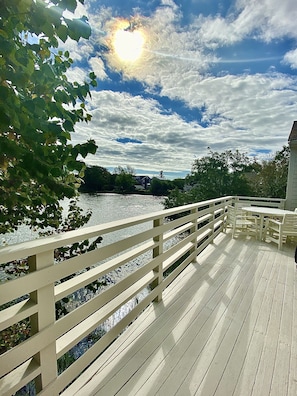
column 128, row 45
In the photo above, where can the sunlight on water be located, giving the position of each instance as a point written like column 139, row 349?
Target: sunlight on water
column 105, row 208
column 110, row 207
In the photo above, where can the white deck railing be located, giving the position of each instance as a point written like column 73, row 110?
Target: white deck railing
column 164, row 243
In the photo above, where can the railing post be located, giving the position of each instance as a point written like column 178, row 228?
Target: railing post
column 45, row 317
column 235, row 201
column 157, row 251
column 225, row 214
column 193, row 230
column 212, row 210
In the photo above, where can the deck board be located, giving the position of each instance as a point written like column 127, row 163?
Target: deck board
column 292, row 383
column 238, row 357
column 216, row 353
column 280, row 383
column 226, row 326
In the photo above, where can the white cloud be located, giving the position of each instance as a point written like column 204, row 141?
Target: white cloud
column 278, row 17
column 166, row 139
column 245, row 112
column 98, row 67
column 291, row 59
column 265, row 20
column 77, row 74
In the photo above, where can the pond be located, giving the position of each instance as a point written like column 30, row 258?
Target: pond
column 105, row 208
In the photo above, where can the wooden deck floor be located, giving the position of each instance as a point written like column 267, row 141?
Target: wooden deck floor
column 226, row 326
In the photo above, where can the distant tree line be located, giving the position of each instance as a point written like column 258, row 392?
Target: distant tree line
column 214, row 175
column 123, row 180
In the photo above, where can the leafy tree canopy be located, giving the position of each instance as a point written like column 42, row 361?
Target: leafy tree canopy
column 97, row 178
column 232, row 173
column 39, row 108
column 162, row 187
column 271, row 178
column 220, row 174
column 124, row 181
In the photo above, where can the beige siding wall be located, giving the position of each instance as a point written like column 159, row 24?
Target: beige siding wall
column 291, row 202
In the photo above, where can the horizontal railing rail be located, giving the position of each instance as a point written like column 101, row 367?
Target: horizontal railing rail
column 259, row 201
column 150, row 259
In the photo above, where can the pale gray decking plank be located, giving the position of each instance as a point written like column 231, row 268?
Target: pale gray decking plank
column 264, row 373
column 292, row 386
column 254, row 353
column 280, row 377
column 162, row 369
column 263, row 379
column 221, row 274
column 231, row 355
column 183, row 337
column 136, row 329
column 198, row 380
column 185, row 285
column 239, row 354
column 215, row 327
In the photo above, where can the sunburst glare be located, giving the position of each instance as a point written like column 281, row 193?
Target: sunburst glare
column 128, row 45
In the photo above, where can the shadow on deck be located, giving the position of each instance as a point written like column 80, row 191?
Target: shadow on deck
column 225, row 326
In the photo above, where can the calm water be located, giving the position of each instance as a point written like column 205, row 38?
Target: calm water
column 105, row 208
column 110, row 207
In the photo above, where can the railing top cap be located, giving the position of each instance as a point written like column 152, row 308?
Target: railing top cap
column 23, row 249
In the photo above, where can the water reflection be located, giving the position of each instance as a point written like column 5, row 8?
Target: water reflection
column 105, row 208
column 110, row 207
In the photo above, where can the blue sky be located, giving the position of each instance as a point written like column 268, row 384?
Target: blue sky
column 210, row 74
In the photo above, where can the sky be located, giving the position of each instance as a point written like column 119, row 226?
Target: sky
column 177, row 78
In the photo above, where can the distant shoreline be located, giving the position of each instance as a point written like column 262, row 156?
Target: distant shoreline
column 136, row 192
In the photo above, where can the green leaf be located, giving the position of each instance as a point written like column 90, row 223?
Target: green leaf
column 69, row 4
column 3, row 33
column 62, row 33
column 93, row 83
column 68, row 125
column 56, row 172
column 78, row 28
column 36, row 158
